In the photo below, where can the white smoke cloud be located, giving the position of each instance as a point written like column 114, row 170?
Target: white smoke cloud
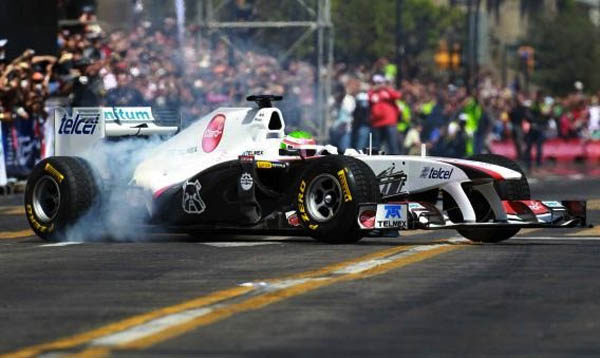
column 119, row 211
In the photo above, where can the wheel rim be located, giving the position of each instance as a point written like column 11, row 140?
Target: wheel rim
column 324, row 197
column 46, row 199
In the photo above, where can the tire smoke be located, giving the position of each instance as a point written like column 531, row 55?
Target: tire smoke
column 119, row 211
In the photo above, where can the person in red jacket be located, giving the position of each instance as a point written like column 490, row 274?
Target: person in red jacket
column 384, row 114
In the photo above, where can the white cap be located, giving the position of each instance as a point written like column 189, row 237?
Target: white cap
column 452, row 128
column 3, row 42
column 378, row 78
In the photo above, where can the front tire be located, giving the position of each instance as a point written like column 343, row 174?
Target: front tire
column 59, row 191
column 507, row 190
column 328, row 195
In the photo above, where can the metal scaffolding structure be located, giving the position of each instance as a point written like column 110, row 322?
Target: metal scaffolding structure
column 318, row 26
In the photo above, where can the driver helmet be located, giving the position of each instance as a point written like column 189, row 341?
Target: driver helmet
column 298, row 140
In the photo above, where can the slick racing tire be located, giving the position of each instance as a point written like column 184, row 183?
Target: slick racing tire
column 328, row 195
column 507, row 190
column 59, row 191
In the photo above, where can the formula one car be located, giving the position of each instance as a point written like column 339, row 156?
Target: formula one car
column 236, row 170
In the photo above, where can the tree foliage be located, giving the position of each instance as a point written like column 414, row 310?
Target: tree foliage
column 527, row 7
column 365, row 30
column 567, row 49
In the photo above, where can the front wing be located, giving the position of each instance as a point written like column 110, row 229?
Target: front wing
column 426, row 216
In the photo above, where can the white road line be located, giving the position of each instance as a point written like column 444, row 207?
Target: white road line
column 157, row 325
column 239, row 243
column 151, row 327
column 458, row 240
column 67, row 243
column 369, row 264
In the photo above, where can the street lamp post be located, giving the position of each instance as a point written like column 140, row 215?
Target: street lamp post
column 399, row 43
column 469, row 46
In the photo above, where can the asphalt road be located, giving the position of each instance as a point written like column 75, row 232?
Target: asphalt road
column 423, row 294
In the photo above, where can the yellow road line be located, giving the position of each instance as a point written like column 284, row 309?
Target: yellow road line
column 414, row 232
column 12, row 210
column 261, row 301
column 82, row 338
column 312, row 282
column 595, row 231
column 92, row 352
column 528, row 231
column 593, row 204
column 16, row 234
column 336, row 266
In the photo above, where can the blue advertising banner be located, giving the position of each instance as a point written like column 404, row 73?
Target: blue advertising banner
column 21, row 147
column 3, row 178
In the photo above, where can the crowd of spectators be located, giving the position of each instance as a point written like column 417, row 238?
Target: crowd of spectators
column 148, row 65
column 452, row 122
column 152, row 65
column 24, row 87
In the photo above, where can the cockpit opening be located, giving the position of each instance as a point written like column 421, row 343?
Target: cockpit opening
column 275, row 121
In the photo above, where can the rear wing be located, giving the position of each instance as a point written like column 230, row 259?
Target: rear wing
column 76, row 132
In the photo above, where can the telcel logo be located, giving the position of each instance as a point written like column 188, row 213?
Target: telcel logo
column 78, row 125
column 433, row 173
column 393, row 211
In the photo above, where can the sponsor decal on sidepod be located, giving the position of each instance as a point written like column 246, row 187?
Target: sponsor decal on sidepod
column 391, row 181
column 191, row 202
column 436, row 173
column 213, row 133
column 246, row 181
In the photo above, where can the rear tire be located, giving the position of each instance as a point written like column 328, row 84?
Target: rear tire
column 328, row 195
column 507, row 190
column 59, row 191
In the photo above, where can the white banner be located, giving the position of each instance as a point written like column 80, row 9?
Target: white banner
column 3, row 180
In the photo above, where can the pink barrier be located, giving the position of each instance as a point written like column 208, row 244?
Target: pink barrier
column 560, row 150
column 505, row 148
column 593, row 151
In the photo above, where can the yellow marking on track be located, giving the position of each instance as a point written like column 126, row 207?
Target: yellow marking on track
column 92, row 352
column 82, row 338
column 374, row 264
column 336, row 266
column 12, row 210
column 595, row 231
column 263, row 300
column 593, row 204
column 414, row 232
column 16, row 234
column 523, row 232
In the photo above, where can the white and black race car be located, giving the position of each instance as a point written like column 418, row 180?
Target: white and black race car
column 236, row 170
